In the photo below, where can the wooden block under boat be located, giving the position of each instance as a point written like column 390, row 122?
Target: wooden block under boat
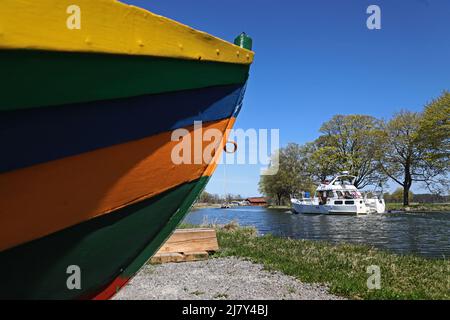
column 191, row 240
column 187, row 245
column 196, row 256
column 167, row 257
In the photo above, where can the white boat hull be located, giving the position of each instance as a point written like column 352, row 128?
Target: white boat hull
column 359, row 208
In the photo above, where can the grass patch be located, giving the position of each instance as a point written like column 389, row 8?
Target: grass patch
column 342, row 267
column 187, row 226
column 419, row 207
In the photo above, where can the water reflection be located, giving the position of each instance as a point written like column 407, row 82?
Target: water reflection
column 424, row 234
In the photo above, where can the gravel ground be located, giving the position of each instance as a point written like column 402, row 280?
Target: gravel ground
column 224, row 278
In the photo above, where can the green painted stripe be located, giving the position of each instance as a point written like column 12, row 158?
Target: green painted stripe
column 167, row 230
column 104, row 248
column 31, row 78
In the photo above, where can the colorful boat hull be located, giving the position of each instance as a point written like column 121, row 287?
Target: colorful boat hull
column 87, row 176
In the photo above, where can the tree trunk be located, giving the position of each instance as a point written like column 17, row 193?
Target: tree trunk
column 407, row 183
column 405, row 196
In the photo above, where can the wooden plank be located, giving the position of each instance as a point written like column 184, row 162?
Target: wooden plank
column 167, row 257
column 191, row 240
column 161, row 258
column 196, row 256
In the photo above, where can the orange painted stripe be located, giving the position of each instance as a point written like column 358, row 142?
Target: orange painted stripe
column 213, row 165
column 45, row 198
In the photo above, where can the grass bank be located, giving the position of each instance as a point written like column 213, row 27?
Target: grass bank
column 419, row 207
column 342, row 267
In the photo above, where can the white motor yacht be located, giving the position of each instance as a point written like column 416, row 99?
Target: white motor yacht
column 339, row 197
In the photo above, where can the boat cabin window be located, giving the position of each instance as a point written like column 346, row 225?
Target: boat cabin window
column 356, row 194
column 330, row 194
column 347, row 195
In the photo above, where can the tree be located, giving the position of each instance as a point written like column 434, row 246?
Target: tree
column 350, row 143
column 320, row 160
column 291, row 177
column 206, row 197
column 406, row 157
column 435, row 129
column 272, row 187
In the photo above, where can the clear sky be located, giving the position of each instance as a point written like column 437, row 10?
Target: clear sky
column 317, row 58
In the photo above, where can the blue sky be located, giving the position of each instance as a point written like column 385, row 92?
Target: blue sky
column 317, row 58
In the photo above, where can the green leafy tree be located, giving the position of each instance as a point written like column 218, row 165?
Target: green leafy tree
column 406, row 155
column 320, row 160
column 291, row 176
column 435, row 130
column 349, row 143
column 273, row 188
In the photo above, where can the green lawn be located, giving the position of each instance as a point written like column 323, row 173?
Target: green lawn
column 343, row 267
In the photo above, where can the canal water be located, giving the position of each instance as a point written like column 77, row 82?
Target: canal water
column 425, row 234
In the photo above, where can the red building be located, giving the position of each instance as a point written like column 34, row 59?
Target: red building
column 257, row 201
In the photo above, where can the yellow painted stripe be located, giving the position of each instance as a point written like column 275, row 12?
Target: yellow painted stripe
column 107, row 26
column 45, row 198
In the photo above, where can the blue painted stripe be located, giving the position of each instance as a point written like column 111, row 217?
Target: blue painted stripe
column 29, row 137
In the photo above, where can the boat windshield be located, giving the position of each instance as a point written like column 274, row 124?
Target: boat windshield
column 348, row 194
column 344, row 180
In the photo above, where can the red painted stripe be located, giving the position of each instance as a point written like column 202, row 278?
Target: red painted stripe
column 112, row 288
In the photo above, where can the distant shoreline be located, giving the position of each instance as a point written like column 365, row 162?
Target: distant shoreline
column 206, row 206
column 419, row 207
